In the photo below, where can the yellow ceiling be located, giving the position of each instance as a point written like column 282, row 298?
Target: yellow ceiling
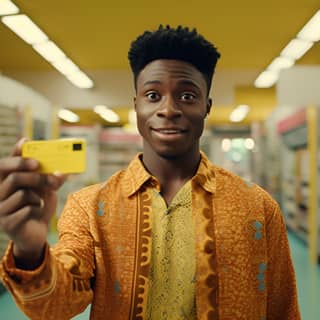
column 96, row 34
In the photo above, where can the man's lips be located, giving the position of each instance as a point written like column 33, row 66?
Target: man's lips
column 169, row 134
column 169, row 130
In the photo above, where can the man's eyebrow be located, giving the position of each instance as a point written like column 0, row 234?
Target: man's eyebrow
column 151, row 82
column 183, row 81
column 189, row 82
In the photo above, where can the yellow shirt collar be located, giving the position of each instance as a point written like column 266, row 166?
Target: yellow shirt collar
column 136, row 175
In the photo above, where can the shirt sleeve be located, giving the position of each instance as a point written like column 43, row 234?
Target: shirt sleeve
column 60, row 287
column 281, row 284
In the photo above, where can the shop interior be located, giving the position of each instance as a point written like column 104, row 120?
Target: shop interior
column 74, row 80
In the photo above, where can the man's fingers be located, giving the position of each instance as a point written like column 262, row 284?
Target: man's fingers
column 15, row 162
column 12, row 222
column 18, row 147
column 20, row 180
column 29, row 180
column 8, row 165
column 18, row 200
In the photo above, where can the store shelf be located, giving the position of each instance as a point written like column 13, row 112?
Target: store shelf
column 9, row 133
column 298, row 187
column 9, row 129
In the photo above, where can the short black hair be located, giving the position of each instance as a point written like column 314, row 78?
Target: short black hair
column 178, row 43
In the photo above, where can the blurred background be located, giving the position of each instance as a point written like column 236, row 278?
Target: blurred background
column 64, row 72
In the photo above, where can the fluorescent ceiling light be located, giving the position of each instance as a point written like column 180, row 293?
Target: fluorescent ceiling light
column 80, row 79
column 239, row 113
column 65, row 66
column 280, row 63
column 49, row 51
column 110, row 116
column 68, row 115
column 266, row 79
column 7, row 7
column 99, row 108
column 311, row 31
column 106, row 113
column 24, row 27
column 296, row 49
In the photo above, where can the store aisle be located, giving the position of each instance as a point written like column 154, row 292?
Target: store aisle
column 308, row 279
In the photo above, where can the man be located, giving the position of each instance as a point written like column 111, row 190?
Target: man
column 172, row 236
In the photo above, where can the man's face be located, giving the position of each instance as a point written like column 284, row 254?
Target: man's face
column 171, row 106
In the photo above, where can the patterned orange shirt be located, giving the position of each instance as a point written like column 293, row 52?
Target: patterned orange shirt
column 243, row 264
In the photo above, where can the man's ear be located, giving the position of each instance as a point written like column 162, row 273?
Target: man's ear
column 209, row 105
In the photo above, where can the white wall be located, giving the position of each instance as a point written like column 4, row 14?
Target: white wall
column 15, row 94
column 113, row 88
column 299, row 86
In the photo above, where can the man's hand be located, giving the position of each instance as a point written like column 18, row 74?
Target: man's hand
column 27, row 202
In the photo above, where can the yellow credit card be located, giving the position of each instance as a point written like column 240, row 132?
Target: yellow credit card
column 61, row 155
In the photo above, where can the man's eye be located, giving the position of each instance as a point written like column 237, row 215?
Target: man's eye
column 153, row 96
column 188, row 96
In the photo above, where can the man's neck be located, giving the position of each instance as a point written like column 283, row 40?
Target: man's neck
column 171, row 172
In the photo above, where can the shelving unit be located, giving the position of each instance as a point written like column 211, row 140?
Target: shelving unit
column 10, row 131
column 300, row 194
column 9, row 134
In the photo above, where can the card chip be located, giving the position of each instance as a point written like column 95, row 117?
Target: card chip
column 77, row 146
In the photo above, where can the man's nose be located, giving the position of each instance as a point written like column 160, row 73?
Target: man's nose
column 169, row 108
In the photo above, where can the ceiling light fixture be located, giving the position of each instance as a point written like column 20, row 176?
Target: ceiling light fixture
column 25, row 28
column 296, row 49
column 280, row 63
column 49, row 51
column 7, row 7
column 311, row 31
column 99, row 108
column 239, row 113
column 266, row 79
column 65, row 66
column 106, row 113
column 68, row 115
column 80, row 79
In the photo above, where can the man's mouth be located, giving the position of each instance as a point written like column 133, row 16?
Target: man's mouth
column 169, row 130
column 169, row 135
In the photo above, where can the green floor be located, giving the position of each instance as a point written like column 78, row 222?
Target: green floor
column 308, row 279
